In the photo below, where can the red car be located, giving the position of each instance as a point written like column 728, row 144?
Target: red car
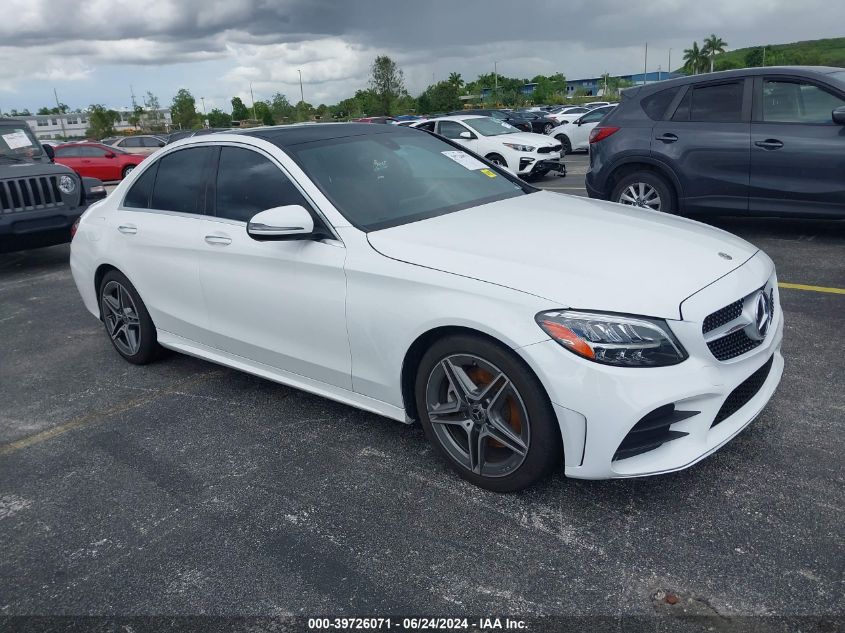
column 97, row 160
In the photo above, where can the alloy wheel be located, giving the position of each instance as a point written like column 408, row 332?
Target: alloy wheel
column 497, row 161
column 478, row 415
column 547, row 128
column 121, row 318
column 641, row 194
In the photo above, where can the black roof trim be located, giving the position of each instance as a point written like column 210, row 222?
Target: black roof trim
column 289, row 135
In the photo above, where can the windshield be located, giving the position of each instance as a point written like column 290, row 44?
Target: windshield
column 382, row 180
column 490, row 127
column 18, row 142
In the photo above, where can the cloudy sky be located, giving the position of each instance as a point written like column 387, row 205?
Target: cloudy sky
column 91, row 51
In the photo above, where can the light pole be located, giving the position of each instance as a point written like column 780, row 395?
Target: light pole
column 301, row 93
column 496, row 81
column 252, row 96
column 670, row 61
column 645, row 64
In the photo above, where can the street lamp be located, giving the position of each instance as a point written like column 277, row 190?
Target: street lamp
column 301, row 93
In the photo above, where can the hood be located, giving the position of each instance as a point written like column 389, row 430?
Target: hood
column 574, row 252
column 527, row 138
column 10, row 169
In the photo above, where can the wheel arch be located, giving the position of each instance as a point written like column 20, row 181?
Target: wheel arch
column 640, row 163
column 101, row 271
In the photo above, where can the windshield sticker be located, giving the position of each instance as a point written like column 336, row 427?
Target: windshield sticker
column 489, row 173
column 464, row 159
column 16, row 140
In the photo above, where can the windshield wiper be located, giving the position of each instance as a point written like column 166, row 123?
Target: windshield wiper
column 16, row 158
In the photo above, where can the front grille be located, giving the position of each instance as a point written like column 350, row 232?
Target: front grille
column 734, row 340
column 723, row 316
column 549, row 150
column 30, row 194
column 652, row 431
column 746, row 390
column 732, row 345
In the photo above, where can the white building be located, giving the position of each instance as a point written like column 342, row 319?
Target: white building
column 74, row 124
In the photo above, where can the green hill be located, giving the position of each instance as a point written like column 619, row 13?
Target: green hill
column 825, row 52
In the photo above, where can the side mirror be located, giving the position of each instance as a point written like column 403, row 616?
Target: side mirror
column 51, row 153
column 839, row 115
column 290, row 222
column 161, row 143
column 468, row 135
column 109, row 154
column 578, row 122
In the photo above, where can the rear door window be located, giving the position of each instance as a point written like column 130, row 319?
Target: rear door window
column 139, row 195
column 717, row 103
column 180, row 183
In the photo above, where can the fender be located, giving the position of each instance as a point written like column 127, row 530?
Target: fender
column 661, row 166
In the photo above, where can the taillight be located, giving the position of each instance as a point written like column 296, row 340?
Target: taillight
column 74, row 228
column 600, row 133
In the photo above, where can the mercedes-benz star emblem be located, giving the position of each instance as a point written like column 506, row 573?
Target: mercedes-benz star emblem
column 762, row 314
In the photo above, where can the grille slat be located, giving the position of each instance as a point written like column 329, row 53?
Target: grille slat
column 732, row 345
column 738, row 342
column 743, row 394
column 28, row 194
column 723, row 316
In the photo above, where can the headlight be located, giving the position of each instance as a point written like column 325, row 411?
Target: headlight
column 613, row 339
column 519, row 148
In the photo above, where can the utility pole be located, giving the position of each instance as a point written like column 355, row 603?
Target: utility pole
column 301, row 92
column 132, row 92
column 203, row 105
column 670, row 61
column 496, row 81
column 645, row 63
column 252, row 96
column 764, row 56
column 659, row 72
column 61, row 114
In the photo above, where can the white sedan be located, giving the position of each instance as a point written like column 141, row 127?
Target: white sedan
column 524, row 153
column 575, row 135
column 386, row 268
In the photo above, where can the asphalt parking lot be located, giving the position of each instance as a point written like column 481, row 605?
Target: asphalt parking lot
column 187, row 488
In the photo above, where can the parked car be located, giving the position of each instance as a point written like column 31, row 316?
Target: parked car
column 376, row 119
column 540, row 122
column 508, row 116
column 375, row 265
column 575, row 135
column 97, row 160
column 524, row 153
column 179, row 135
column 110, row 140
column 39, row 200
column 596, row 104
column 755, row 141
column 141, row 144
column 565, row 114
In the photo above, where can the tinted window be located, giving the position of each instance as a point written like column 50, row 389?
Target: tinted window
column 92, row 152
column 450, row 129
column 248, row 183
column 139, row 195
column 682, row 111
column 594, row 115
column 383, row 180
column 132, row 142
column 720, row 103
column 797, row 102
column 179, row 185
column 655, row 105
column 67, row 152
column 152, row 142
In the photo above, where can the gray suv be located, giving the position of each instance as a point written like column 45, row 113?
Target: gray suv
column 754, row 141
column 39, row 200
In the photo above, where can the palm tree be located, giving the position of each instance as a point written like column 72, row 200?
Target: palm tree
column 456, row 79
column 713, row 46
column 694, row 59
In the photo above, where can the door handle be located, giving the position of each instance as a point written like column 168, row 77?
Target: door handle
column 770, row 144
column 218, row 240
column 667, row 138
column 128, row 229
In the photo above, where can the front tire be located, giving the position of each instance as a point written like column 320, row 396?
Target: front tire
column 127, row 322
column 565, row 142
column 645, row 189
column 486, row 414
column 126, row 171
column 496, row 159
column 548, row 127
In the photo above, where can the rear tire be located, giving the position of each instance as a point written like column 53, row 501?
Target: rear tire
column 519, row 414
column 126, row 171
column 127, row 321
column 645, row 189
column 565, row 142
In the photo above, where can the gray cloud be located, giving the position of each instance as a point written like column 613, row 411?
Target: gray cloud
column 334, row 41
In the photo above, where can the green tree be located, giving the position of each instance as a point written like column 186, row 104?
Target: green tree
column 263, row 112
column 60, row 109
column 239, row 110
column 441, row 97
column 754, row 57
column 281, row 108
column 387, row 81
column 713, row 46
column 183, row 110
column 101, row 121
column 136, row 117
column 456, row 80
column 218, row 118
column 694, row 59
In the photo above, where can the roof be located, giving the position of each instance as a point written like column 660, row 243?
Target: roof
column 288, row 135
column 454, row 117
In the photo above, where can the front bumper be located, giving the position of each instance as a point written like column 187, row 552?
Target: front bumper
column 35, row 229
column 598, row 406
column 529, row 165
